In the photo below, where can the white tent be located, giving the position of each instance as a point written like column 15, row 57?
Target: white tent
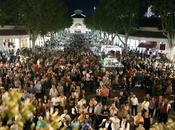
column 108, row 48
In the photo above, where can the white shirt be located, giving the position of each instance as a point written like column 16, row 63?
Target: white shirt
column 74, row 110
column 145, row 105
column 134, row 101
column 98, row 109
column 55, row 101
column 107, row 123
column 53, row 92
column 115, row 125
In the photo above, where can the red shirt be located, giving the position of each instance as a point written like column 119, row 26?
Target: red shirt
column 129, row 72
column 105, row 92
column 36, row 68
column 164, row 108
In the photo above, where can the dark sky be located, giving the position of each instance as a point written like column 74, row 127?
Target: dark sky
column 86, row 6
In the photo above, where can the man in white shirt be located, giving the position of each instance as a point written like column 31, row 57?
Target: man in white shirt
column 75, row 111
column 115, row 122
column 145, row 105
column 65, row 116
column 53, row 92
column 124, row 124
column 55, row 101
column 134, row 104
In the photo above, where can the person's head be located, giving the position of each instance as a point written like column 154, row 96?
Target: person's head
column 121, row 93
column 45, row 97
column 65, row 111
column 139, row 114
column 146, row 99
column 113, row 105
column 53, row 86
column 166, row 100
column 160, row 97
column 152, row 98
column 40, row 118
column 87, row 116
column 105, row 107
column 147, row 95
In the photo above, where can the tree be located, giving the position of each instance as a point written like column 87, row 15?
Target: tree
column 39, row 16
column 115, row 16
column 166, row 11
column 8, row 15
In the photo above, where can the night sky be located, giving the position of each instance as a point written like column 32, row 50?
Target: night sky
column 87, row 6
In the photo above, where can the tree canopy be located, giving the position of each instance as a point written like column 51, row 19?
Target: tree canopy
column 166, row 11
column 37, row 16
column 115, row 16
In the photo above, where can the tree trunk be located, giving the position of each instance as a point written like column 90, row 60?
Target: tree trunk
column 120, row 39
column 113, row 37
column 33, row 38
column 171, row 53
column 100, row 34
column 108, row 39
column 44, row 40
column 126, row 42
column 170, row 41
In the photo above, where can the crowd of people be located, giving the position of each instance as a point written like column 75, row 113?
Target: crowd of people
column 81, row 90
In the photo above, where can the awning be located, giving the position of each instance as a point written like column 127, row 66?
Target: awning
column 148, row 44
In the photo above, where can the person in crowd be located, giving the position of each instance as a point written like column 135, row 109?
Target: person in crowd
column 147, row 121
column 122, row 98
column 151, row 107
column 138, row 119
column 164, row 111
column 75, row 124
column 75, row 111
column 134, row 105
column 105, row 94
column 113, row 109
column 158, row 105
column 55, row 101
column 38, row 89
column 124, row 124
column 65, row 116
column 62, row 100
column 115, row 122
column 98, row 94
column 140, row 126
column 105, row 111
column 53, row 92
column 145, row 105
column 106, row 124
